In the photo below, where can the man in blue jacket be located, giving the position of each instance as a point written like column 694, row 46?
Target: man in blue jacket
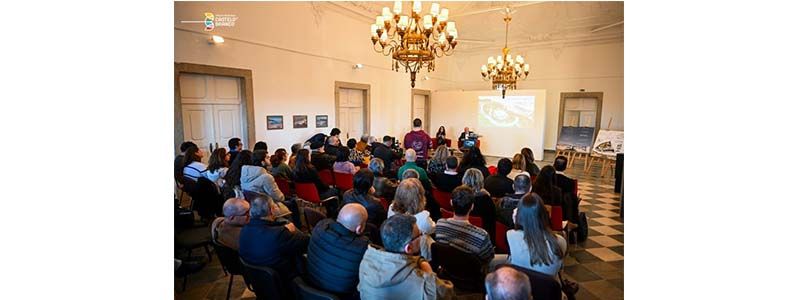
column 266, row 242
column 335, row 251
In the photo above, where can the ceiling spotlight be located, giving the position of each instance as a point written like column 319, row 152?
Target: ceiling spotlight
column 215, row 39
column 358, row 66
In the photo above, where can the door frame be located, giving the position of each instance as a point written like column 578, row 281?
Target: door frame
column 365, row 88
column 598, row 112
column 246, row 85
column 426, row 123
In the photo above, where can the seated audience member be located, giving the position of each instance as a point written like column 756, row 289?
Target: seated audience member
column 385, row 153
column 255, row 178
column 517, row 166
column 410, row 164
column 225, row 230
column 355, row 156
column 438, row 162
column 545, row 187
column 532, row 244
column 483, row 204
column 410, row 199
column 332, row 146
column 235, row 145
column 474, row 159
column 217, row 166
column 193, row 168
column 362, row 185
column 522, row 186
column 304, row 172
column 234, row 174
column 321, row 159
column 335, row 132
column 499, row 184
column 295, row 147
column 279, row 168
column 397, row 272
column 335, row 251
column 450, row 178
column 363, row 144
column 530, row 164
column 343, row 163
column 266, row 242
column 569, row 188
column 179, row 161
column 260, row 145
column 384, row 187
column 505, row 283
column 420, row 141
column 459, row 233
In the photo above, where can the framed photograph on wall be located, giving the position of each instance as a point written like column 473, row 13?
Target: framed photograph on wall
column 274, row 122
column 322, row 121
column 300, row 121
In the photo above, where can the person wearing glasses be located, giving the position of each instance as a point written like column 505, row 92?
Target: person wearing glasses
column 397, row 271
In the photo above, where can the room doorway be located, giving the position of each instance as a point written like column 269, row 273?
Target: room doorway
column 352, row 109
column 421, row 108
column 212, row 105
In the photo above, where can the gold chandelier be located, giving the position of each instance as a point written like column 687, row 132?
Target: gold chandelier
column 504, row 71
column 414, row 41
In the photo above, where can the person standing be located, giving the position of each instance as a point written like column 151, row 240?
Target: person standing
column 235, row 146
column 418, row 140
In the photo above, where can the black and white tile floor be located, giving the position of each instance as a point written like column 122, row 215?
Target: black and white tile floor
column 596, row 264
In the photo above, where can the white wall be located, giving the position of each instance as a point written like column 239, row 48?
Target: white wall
column 459, row 109
column 595, row 68
column 296, row 58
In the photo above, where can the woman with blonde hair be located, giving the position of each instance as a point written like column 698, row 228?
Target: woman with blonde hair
column 438, row 162
column 483, row 204
column 410, row 199
column 518, row 166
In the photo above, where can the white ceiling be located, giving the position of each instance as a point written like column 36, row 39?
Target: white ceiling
column 534, row 24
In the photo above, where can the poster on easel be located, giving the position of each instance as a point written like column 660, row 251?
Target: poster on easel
column 578, row 139
column 609, row 143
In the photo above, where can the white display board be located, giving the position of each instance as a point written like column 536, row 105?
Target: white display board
column 609, row 143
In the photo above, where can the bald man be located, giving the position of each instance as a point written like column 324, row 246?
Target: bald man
column 335, row 251
column 225, row 230
column 410, row 155
column 507, row 284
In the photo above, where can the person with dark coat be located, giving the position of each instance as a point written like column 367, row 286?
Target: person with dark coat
column 305, row 172
column 499, row 184
column 235, row 146
column 361, row 194
column 179, row 161
column 569, row 190
column 335, row 251
column 321, row 160
column 266, row 242
column 450, row 178
column 385, row 153
column 473, row 158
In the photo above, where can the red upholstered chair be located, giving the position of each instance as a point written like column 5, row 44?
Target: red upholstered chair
column 556, row 217
column 500, row 241
column 443, row 198
column 448, row 142
column 308, row 192
column 326, row 176
column 283, row 185
column 477, row 221
column 343, row 181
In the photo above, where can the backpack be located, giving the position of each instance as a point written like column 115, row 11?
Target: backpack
column 583, row 227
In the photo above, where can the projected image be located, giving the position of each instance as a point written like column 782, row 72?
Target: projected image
column 513, row 111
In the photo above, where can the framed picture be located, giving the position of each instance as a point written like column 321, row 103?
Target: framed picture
column 274, row 122
column 300, row 121
column 322, row 121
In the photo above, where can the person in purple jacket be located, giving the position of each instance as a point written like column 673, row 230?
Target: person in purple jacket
column 420, row 141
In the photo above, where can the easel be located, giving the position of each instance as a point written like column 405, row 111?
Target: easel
column 607, row 163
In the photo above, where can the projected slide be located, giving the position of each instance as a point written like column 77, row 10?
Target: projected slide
column 511, row 112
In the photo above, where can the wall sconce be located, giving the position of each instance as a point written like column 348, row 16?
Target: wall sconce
column 215, row 39
column 358, row 66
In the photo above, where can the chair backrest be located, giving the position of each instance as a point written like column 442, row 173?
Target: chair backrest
column 385, row 203
column 556, row 216
column 343, row 181
column 543, row 286
column 465, row 270
column 492, row 170
column 500, row 240
column 477, row 221
column 442, row 198
column 265, row 281
column 448, row 142
column 326, row 176
column 307, row 191
column 304, row 291
column 283, row 185
column 229, row 259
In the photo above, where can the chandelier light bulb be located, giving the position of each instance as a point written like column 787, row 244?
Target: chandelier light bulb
column 520, row 60
column 403, row 23
column 374, row 29
column 398, row 7
column 442, row 40
column 444, row 14
column 417, row 6
column 379, row 21
column 435, row 9
column 454, row 34
column 427, row 22
column 527, row 68
column 484, row 69
column 508, row 59
column 384, row 37
column 500, row 59
column 491, row 61
column 451, row 26
column 387, row 14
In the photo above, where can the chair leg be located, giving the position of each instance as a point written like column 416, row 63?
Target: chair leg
column 230, row 283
